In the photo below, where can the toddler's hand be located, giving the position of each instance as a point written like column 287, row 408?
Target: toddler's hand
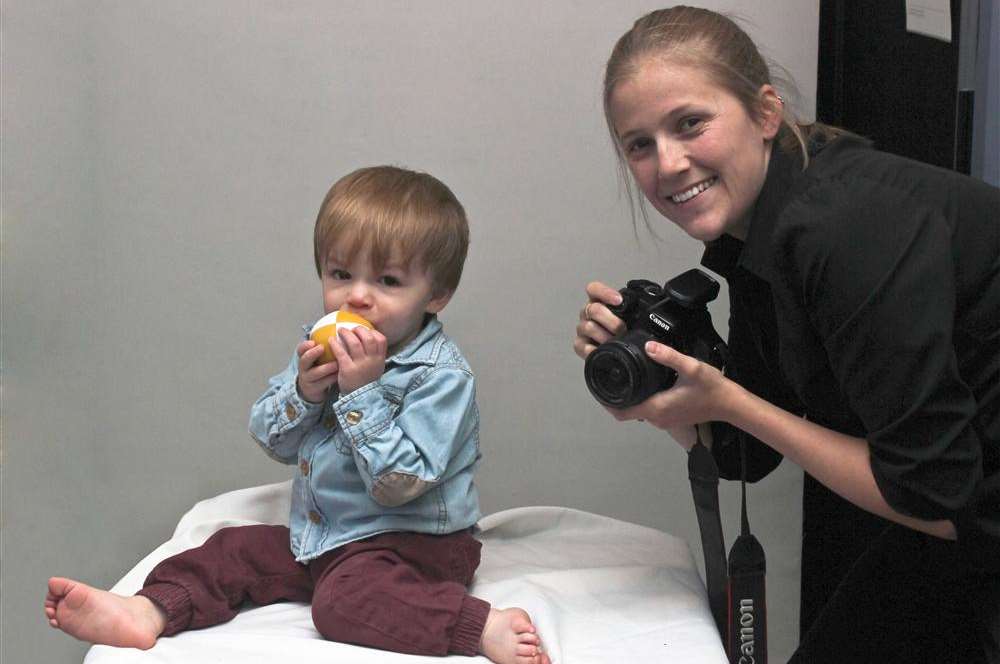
column 314, row 380
column 360, row 352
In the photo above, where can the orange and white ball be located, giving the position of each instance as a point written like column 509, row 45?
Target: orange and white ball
column 331, row 324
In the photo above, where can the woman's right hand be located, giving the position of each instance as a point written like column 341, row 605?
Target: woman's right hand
column 597, row 324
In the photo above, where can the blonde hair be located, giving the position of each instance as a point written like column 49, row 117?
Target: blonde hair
column 395, row 213
column 715, row 44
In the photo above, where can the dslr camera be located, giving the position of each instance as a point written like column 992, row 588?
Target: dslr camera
column 619, row 373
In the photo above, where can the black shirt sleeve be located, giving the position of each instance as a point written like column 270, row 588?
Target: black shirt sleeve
column 726, row 439
column 875, row 273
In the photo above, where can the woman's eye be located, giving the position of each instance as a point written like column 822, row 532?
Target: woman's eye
column 638, row 145
column 691, row 124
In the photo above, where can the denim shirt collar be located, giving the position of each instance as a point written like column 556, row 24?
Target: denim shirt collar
column 423, row 348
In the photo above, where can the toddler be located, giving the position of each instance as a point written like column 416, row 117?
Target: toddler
column 386, row 440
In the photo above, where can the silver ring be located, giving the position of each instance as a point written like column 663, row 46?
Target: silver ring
column 586, row 311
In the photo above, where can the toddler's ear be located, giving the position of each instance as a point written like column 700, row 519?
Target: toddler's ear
column 439, row 301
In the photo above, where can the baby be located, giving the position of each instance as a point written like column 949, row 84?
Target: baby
column 386, row 441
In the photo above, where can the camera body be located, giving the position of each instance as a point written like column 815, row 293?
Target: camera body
column 619, row 373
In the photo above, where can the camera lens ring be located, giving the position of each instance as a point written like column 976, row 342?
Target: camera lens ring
column 616, row 373
column 619, row 374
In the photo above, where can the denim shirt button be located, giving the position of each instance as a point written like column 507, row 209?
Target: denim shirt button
column 304, row 467
column 354, row 417
column 330, row 422
column 314, row 516
column 290, row 411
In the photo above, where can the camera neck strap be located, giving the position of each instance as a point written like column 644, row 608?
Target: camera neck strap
column 704, row 476
column 736, row 596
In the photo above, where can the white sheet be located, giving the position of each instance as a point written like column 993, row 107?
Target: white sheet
column 599, row 590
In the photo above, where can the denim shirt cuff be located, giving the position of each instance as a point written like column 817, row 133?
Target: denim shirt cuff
column 363, row 413
column 292, row 410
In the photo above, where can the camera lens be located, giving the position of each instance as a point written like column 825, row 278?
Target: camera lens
column 619, row 374
column 611, row 375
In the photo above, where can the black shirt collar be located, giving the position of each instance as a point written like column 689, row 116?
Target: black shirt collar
column 754, row 254
column 785, row 177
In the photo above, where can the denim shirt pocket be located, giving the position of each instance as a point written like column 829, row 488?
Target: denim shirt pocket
column 342, row 442
column 394, row 395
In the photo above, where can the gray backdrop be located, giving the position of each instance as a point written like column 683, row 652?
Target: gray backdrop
column 162, row 167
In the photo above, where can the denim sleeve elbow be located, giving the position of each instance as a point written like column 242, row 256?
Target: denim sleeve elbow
column 401, row 455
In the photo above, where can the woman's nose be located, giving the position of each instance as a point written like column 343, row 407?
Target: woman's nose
column 671, row 158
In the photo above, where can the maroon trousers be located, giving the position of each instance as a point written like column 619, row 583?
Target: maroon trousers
column 404, row 592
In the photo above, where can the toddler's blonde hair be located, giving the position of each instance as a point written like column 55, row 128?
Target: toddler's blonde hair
column 394, row 213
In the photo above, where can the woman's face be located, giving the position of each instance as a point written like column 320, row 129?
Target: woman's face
column 695, row 153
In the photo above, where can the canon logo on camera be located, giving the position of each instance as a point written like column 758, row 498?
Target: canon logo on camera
column 659, row 322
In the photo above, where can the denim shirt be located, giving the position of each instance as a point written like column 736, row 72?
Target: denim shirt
column 397, row 454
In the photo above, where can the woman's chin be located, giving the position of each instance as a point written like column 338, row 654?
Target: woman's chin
column 703, row 230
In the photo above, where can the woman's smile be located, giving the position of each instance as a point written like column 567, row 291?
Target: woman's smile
column 692, row 192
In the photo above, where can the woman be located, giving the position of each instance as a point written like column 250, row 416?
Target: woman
column 863, row 334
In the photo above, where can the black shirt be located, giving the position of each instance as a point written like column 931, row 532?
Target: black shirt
column 866, row 297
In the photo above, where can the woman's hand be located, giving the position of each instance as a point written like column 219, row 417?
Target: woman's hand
column 700, row 394
column 696, row 397
column 597, row 324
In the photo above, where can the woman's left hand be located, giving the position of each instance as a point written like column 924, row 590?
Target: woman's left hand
column 700, row 394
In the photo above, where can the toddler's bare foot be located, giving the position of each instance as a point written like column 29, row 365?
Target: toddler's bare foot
column 509, row 638
column 97, row 616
